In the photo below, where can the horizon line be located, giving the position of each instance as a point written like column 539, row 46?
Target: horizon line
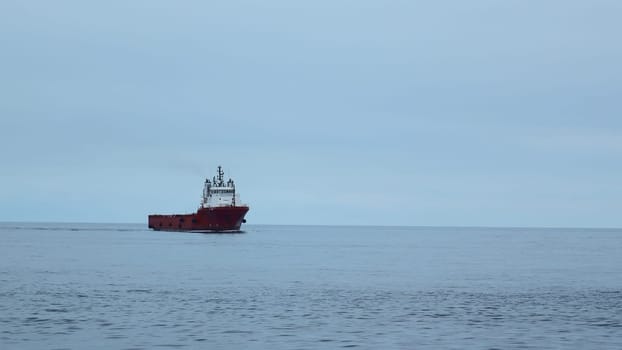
column 337, row 225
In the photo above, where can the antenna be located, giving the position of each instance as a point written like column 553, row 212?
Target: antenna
column 221, row 173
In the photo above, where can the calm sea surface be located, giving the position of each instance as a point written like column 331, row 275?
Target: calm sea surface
column 106, row 286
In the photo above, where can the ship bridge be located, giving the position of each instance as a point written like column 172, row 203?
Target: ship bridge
column 218, row 193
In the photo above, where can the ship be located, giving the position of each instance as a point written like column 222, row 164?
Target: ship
column 220, row 210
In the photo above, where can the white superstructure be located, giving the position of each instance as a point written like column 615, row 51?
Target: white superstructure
column 218, row 193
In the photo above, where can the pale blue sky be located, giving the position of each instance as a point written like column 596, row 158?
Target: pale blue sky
column 500, row 113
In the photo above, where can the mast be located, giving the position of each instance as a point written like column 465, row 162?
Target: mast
column 221, row 173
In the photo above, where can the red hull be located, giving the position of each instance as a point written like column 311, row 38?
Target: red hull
column 217, row 219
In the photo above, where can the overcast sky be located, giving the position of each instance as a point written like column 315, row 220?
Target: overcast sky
column 493, row 113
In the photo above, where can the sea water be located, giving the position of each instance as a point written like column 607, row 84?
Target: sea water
column 108, row 286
